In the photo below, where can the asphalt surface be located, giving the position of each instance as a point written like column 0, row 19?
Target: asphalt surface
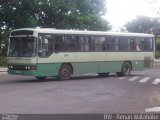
column 82, row 95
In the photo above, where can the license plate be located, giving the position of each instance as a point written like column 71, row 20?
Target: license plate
column 18, row 72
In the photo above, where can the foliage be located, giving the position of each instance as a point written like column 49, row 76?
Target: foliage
column 3, row 61
column 3, row 42
column 17, row 13
column 143, row 24
column 157, row 47
column 60, row 14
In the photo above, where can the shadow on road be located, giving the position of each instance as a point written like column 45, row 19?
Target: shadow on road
column 54, row 79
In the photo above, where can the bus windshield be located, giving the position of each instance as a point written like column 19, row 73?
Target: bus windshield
column 22, row 47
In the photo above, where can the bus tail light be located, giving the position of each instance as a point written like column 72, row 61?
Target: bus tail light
column 32, row 67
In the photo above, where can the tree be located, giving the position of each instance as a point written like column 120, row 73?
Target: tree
column 59, row 14
column 17, row 13
column 63, row 14
column 143, row 24
column 73, row 14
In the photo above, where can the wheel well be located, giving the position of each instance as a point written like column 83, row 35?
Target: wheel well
column 69, row 65
column 129, row 63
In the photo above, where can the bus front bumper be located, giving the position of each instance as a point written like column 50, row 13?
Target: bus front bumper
column 21, row 72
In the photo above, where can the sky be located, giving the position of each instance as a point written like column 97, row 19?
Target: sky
column 121, row 11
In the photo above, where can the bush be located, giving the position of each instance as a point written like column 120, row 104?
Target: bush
column 157, row 56
column 157, row 48
column 3, row 61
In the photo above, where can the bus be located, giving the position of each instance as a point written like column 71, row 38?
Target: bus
column 46, row 52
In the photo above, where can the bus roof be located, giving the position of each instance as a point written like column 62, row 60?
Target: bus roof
column 80, row 32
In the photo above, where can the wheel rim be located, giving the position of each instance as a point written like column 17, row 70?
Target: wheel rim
column 65, row 72
column 126, row 69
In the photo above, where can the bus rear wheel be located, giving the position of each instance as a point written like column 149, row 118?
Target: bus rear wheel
column 125, row 70
column 65, row 72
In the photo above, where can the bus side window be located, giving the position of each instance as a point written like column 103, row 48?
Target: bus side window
column 58, row 41
column 132, row 44
column 56, row 47
column 45, row 45
column 138, row 48
column 100, row 43
column 140, row 44
column 137, row 45
column 149, row 44
column 72, row 43
column 106, row 43
column 109, row 43
column 86, row 43
column 77, row 43
column 116, row 44
column 124, row 44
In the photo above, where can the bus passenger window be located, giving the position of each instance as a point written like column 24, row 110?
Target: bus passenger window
column 108, row 41
column 149, row 44
column 84, row 43
column 140, row 44
column 58, row 43
column 132, row 45
column 45, row 45
column 137, row 47
column 72, row 47
column 116, row 44
column 56, row 47
column 98, row 43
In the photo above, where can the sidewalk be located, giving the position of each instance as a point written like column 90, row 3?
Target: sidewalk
column 156, row 64
column 2, row 69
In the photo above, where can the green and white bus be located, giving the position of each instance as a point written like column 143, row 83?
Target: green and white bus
column 43, row 52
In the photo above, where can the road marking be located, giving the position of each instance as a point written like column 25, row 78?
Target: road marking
column 121, row 78
column 90, row 74
column 156, row 81
column 145, row 79
column 154, row 109
column 133, row 78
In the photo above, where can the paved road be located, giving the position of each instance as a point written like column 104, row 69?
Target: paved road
column 87, row 94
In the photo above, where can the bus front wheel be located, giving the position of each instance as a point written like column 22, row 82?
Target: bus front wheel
column 125, row 70
column 65, row 72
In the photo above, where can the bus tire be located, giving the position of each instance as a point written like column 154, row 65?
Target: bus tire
column 41, row 78
column 65, row 72
column 125, row 70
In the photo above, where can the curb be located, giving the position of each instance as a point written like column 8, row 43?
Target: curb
column 3, row 69
column 156, row 63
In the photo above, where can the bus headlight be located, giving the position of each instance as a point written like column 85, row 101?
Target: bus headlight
column 30, row 67
column 10, row 67
column 26, row 68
